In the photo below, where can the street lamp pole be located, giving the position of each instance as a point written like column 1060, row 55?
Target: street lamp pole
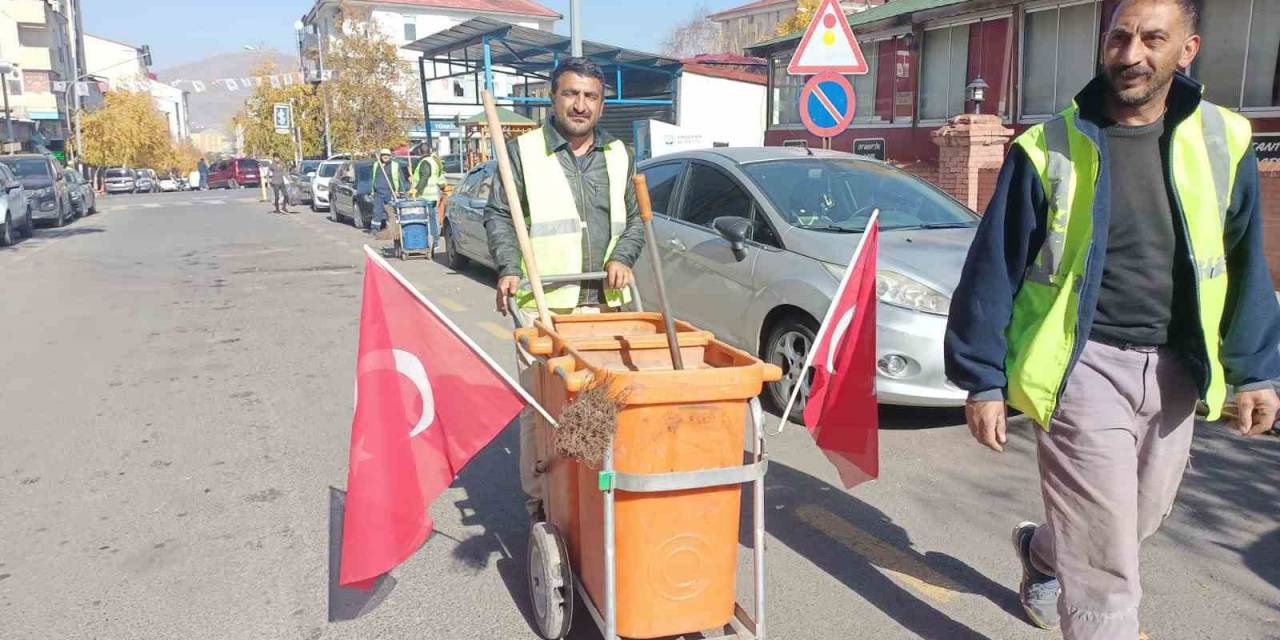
column 324, row 91
column 5, row 68
column 575, row 27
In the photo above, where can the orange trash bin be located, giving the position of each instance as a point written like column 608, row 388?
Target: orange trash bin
column 676, row 468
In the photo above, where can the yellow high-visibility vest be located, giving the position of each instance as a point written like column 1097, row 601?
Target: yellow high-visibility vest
column 431, row 190
column 556, row 228
column 1205, row 151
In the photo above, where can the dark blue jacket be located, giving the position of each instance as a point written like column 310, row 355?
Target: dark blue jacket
column 1013, row 229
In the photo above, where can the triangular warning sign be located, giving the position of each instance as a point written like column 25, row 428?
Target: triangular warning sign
column 828, row 45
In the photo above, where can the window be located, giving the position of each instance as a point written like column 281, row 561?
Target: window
column 1059, row 56
column 944, row 61
column 1239, row 51
column 762, row 230
column 786, row 93
column 34, row 35
column 14, row 79
column 712, row 194
column 410, row 29
column 662, row 184
column 864, row 86
column 458, row 90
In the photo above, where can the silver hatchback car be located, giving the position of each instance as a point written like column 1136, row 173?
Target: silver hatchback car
column 754, row 242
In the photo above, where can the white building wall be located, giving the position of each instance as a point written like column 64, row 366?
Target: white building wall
column 723, row 110
column 117, row 62
column 172, row 102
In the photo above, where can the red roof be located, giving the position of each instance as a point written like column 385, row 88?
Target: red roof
column 750, row 6
column 518, row 7
column 728, row 73
column 724, row 58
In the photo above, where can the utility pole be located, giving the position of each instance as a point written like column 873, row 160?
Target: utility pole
column 6, row 68
column 575, row 27
column 324, row 91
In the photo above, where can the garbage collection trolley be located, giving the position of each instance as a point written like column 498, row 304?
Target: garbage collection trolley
column 647, row 541
column 412, row 237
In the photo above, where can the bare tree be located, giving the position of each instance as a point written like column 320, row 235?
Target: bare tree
column 698, row 34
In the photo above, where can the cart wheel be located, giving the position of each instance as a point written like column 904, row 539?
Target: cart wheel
column 550, row 582
column 399, row 250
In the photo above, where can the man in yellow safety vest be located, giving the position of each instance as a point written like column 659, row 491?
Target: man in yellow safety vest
column 1116, row 282
column 427, row 178
column 574, row 180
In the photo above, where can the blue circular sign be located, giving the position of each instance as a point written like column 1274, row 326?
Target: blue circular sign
column 827, row 104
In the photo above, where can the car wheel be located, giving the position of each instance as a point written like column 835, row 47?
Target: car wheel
column 457, row 261
column 357, row 218
column 314, row 209
column 93, row 208
column 62, row 218
column 29, row 227
column 6, row 230
column 232, row 184
column 788, row 346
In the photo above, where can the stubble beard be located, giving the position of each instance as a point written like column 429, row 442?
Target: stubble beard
column 1141, row 95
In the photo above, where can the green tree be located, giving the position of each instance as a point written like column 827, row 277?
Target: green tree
column 128, row 130
column 368, row 101
column 257, row 119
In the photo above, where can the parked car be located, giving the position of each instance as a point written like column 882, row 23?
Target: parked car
column 349, row 196
column 300, row 186
column 754, row 242
column 15, row 213
column 83, row 198
column 320, row 185
column 119, row 180
column 234, row 173
column 145, row 181
column 463, row 232
column 169, row 183
column 41, row 176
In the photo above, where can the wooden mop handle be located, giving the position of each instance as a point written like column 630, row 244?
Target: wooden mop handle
column 517, row 210
column 642, row 197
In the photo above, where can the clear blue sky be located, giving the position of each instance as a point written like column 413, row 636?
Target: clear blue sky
column 181, row 31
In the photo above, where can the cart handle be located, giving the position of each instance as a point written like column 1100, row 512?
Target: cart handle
column 573, row 277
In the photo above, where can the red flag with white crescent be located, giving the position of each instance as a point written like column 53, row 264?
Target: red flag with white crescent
column 841, row 411
column 427, row 400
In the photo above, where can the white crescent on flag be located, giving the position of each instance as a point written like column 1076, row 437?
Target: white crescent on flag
column 409, row 366
column 837, row 334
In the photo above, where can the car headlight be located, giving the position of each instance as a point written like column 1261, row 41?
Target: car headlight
column 902, row 291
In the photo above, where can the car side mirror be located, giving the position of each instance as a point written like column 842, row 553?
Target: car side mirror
column 735, row 230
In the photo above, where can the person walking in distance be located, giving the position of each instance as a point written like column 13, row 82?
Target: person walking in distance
column 574, row 181
column 389, row 181
column 427, row 178
column 280, row 186
column 203, row 168
column 1117, row 280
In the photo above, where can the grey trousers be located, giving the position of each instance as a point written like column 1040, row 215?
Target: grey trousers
column 1110, row 466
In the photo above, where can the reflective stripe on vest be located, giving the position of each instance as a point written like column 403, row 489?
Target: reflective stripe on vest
column 431, row 190
column 395, row 175
column 1206, row 149
column 556, row 228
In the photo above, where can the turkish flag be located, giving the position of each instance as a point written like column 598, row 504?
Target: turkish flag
column 427, row 400
column 841, row 411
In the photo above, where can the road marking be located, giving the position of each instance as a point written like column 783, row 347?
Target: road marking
column 451, row 305
column 495, row 329
column 895, row 562
column 151, row 205
column 215, row 202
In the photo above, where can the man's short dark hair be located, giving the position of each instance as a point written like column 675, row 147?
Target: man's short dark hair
column 1189, row 8
column 580, row 66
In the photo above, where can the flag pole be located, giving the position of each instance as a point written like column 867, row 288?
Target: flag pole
column 822, row 328
column 458, row 332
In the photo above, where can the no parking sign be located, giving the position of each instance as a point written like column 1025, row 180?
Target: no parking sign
column 827, row 104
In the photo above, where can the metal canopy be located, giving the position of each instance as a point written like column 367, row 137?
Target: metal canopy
column 483, row 47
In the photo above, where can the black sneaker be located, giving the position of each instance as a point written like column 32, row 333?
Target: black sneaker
column 1038, row 591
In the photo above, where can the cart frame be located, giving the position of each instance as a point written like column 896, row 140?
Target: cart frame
column 742, row 626
column 393, row 224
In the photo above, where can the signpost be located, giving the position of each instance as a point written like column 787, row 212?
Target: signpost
column 282, row 115
column 1267, row 146
column 869, row 147
column 828, row 51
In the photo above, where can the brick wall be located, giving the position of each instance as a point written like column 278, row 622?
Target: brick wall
column 1270, row 179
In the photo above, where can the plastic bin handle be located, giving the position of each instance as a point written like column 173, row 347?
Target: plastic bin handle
column 594, row 276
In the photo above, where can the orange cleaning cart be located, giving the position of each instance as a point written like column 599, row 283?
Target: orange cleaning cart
column 646, row 542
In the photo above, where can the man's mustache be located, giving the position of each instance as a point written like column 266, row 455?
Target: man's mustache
column 1131, row 73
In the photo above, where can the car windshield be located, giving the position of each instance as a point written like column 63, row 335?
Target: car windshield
column 839, row 195
column 28, row 167
column 364, row 171
column 309, row 166
column 248, row 164
column 118, row 173
column 327, row 169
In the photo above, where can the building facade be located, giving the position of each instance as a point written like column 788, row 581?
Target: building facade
column 37, row 38
column 406, row 21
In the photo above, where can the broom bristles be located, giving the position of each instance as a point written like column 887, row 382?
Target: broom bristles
column 588, row 424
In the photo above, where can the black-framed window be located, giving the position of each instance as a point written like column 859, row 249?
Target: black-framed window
column 1239, row 61
column 1059, row 56
column 662, row 180
column 710, row 194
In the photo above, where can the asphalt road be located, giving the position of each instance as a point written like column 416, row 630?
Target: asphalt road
column 175, row 403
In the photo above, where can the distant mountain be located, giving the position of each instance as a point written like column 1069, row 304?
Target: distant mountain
column 214, row 107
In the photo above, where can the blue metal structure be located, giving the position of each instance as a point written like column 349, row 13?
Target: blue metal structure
column 481, row 48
